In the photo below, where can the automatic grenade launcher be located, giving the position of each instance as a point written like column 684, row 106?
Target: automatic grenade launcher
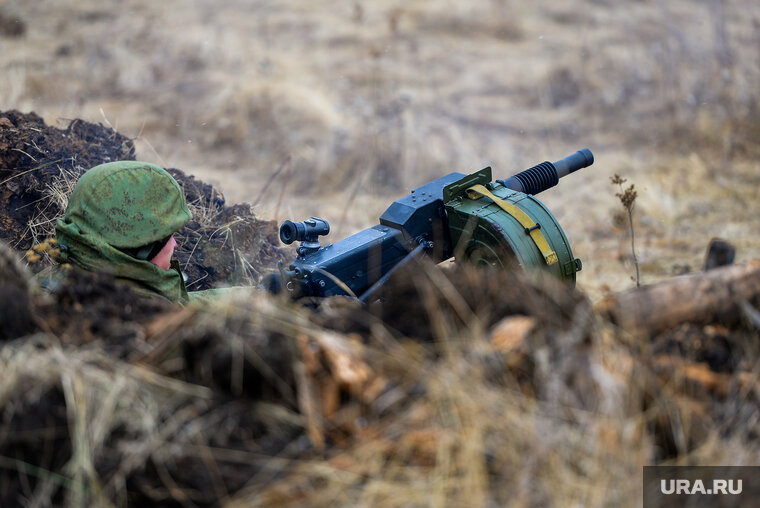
column 468, row 217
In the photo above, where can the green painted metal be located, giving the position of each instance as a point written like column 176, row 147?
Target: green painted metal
column 482, row 177
column 484, row 233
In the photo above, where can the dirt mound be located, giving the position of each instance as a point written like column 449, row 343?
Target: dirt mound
column 93, row 307
column 96, row 340
column 142, row 353
column 226, row 247
column 257, row 401
column 15, row 316
column 486, row 295
column 38, row 454
column 39, row 165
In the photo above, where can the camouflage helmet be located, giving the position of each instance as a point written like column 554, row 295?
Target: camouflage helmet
column 128, row 204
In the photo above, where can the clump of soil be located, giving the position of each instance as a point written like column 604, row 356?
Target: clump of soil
column 39, row 165
column 485, row 293
column 15, row 314
column 89, row 307
column 230, row 247
column 35, row 162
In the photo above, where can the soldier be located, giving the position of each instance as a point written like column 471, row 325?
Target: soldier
column 121, row 218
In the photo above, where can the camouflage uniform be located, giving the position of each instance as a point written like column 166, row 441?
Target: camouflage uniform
column 117, row 207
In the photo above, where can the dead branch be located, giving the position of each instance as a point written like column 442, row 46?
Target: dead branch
column 701, row 298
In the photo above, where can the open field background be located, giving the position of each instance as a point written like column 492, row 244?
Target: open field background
column 357, row 102
column 462, row 388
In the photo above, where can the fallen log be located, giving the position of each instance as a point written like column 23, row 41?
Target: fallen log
column 716, row 296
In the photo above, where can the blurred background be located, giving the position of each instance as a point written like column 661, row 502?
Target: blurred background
column 336, row 109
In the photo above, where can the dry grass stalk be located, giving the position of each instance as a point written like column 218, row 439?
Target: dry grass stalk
column 628, row 199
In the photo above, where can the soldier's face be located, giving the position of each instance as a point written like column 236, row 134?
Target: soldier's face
column 164, row 257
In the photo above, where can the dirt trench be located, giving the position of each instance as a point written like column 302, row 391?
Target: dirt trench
column 39, row 164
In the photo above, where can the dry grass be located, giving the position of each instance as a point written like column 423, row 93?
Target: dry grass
column 56, row 196
column 102, row 396
column 564, row 414
column 367, row 100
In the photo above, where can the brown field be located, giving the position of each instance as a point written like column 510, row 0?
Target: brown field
column 363, row 101
column 347, row 106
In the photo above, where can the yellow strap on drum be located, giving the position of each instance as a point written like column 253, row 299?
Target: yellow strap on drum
column 533, row 229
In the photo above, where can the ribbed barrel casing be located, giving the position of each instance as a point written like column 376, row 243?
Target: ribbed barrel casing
column 547, row 174
column 534, row 180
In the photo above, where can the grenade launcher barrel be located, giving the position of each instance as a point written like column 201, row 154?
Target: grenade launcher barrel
column 547, row 174
column 413, row 225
